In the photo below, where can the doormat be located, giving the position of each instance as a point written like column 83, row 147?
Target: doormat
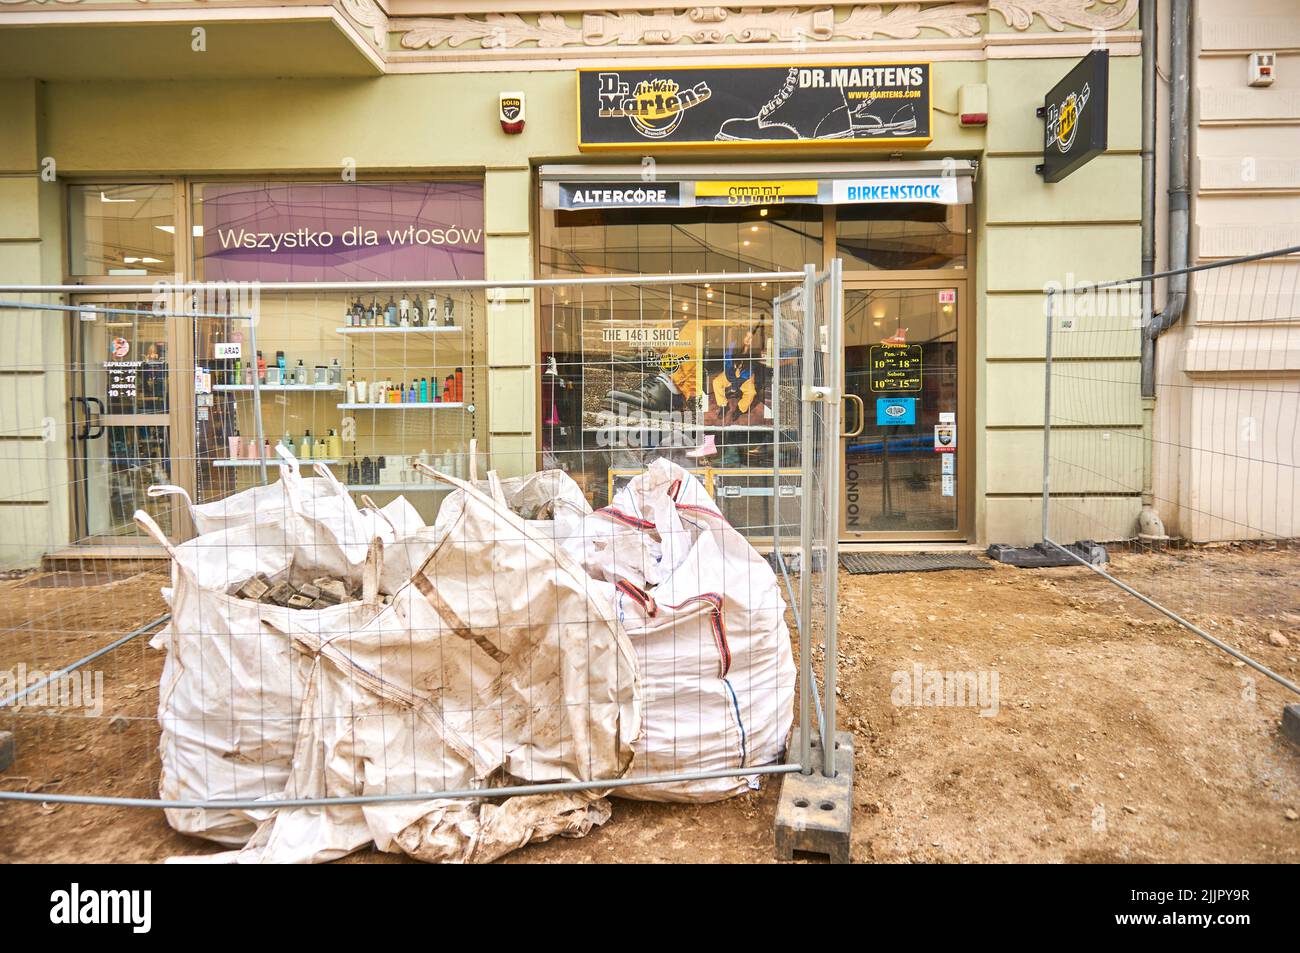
column 864, row 563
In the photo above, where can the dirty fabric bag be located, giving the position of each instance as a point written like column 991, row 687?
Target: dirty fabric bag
column 713, row 649
column 498, row 662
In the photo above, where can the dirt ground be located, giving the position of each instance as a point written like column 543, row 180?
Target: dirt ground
column 1118, row 736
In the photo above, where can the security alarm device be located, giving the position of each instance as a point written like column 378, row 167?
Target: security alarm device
column 511, row 109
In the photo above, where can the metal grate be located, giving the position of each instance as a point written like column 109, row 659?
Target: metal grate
column 864, row 563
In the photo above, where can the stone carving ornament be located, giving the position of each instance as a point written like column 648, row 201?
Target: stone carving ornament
column 719, row 25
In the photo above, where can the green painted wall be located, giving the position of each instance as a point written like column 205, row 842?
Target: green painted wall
column 1026, row 233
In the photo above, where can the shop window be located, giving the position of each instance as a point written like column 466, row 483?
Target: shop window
column 681, row 241
column 367, row 382
column 684, row 371
column 121, row 230
column 901, row 236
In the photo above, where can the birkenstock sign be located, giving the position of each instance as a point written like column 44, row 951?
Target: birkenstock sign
column 754, row 106
column 1074, row 117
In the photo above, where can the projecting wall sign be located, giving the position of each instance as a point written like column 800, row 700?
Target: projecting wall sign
column 1075, row 117
column 747, row 106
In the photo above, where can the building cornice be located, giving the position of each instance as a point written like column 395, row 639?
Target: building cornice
column 542, row 35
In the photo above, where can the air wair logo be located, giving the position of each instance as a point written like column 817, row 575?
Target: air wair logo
column 655, row 108
column 1063, row 120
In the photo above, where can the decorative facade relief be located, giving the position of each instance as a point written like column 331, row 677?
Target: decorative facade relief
column 1058, row 14
column 704, row 26
column 701, row 25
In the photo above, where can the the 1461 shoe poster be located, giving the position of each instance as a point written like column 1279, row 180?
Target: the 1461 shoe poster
column 704, row 106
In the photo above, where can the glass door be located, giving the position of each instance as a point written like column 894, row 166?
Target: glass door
column 121, row 434
column 903, row 477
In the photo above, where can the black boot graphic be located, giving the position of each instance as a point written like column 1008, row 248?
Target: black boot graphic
column 869, row 120
column 793, row 114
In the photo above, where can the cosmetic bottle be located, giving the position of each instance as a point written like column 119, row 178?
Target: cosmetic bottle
column 321, row 375
column 404, row 310
column 417, row 315
column 300, row 373
column 336, row 372
column 390, row 313
column 282, row 364
column 458, row 387
column 335, row 445
column 449, row 316
column 234, row 445
column 424, row 390
column 261, row 368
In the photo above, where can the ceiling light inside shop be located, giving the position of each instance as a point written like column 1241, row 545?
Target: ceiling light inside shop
column 196, row 230
column 103, row 197
column 763, row 212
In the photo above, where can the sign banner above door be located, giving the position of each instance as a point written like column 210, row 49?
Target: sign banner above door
column 842, row 104
column 667, row 190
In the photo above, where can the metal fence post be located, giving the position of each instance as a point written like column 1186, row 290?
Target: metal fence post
column 834, row 361
column 1049, row 310
column 807, row 455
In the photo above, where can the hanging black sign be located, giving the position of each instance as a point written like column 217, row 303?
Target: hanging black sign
column 748, row 106
column 1074, row 117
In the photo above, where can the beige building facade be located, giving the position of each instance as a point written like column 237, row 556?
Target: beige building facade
column 186, row 97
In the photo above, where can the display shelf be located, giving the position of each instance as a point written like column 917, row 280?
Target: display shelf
column 679, row 428
column 398, row 487
column 438, row 329
column 429, row 405
column 278, row 388
column 270, row 462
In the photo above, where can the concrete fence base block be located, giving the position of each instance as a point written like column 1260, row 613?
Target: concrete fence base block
column 815, row 813
column 6, row 750
column 1291, row 723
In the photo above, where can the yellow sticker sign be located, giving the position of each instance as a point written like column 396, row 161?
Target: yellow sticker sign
column 755, row 192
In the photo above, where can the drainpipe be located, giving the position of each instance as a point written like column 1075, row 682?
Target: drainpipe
column 1150, row 525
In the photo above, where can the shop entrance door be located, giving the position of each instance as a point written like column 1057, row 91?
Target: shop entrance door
column 904, row 477
column 120, row 423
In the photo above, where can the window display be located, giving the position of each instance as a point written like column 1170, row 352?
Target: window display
column 682, row 371
column 687, row 372
column 367, row 400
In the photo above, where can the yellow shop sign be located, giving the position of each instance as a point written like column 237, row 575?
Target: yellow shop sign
column 755, row 192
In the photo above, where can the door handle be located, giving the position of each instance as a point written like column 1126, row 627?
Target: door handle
column 862, row 415
column 99, row 431
column 85, row 423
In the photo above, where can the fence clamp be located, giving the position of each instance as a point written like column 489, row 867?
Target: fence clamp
column 813, row 393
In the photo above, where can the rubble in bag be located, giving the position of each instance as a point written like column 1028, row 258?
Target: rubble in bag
column 321, row 593
column 461, row 683
column 447, row 682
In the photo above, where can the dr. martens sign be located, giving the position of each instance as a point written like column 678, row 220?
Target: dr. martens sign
column 1074, row 117
column 754, row 106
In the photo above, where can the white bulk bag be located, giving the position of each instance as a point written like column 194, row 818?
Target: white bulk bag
column 498, row 662
column 714, row 655
column 232, row 684
column 246, row 506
